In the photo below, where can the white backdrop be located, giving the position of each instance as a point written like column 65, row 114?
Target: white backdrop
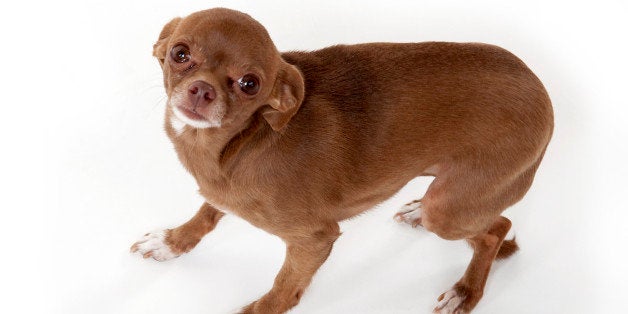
column 86, row 167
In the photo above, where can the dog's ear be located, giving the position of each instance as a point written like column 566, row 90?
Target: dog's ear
column 286, row 97
column 159, row 48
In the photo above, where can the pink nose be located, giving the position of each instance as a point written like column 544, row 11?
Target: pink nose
column 201, row 94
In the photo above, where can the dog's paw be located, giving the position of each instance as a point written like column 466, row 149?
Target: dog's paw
column 451, row 302
column 410, row 214
column 154, row 245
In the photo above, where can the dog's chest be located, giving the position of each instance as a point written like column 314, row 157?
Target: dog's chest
column 251, row 211
column 219, row 204
column 221, row 207
column 225, row 199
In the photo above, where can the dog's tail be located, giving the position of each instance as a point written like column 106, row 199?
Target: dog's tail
column 509, row 247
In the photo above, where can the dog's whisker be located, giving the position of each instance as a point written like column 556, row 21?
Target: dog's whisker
column 159, row 102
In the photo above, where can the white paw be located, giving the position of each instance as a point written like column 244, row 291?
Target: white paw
column 154, row 245
column 450, row 303
column 410, row 214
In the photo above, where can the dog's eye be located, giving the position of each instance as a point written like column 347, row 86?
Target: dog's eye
column 249, row 84
column 180, row 53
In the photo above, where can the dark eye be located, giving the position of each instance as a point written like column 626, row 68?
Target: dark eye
column 180, row 53
column 249, row 84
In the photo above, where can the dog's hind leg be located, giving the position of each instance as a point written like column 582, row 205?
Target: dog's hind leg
column 468, row 291
column 171, row 243
column 467, row 204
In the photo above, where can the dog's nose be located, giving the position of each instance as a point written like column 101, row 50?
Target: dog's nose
column 201, row 94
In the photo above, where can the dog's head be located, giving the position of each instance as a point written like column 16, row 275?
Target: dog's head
column 220, row 67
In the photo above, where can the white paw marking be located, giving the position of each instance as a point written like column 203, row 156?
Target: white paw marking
column 450, row 303
column 410, row 214
column 154, row 245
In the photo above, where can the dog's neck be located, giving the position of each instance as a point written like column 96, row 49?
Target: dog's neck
column 211, row 154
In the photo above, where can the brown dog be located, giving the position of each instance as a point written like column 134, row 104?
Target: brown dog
column 296, row 142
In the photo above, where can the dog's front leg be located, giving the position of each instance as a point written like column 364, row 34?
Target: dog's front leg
column 171, row 243
column 304, row 255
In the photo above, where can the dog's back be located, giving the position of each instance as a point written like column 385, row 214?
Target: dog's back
column 403, row 108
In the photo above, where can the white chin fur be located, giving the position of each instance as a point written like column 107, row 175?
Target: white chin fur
column 177, row 124
column 179, row 120
column 214, row 122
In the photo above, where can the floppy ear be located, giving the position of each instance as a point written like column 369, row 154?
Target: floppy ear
column 286, row 97
column 159, row 48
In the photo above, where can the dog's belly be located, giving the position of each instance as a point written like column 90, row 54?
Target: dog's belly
column 351, row 211
column 366, row 200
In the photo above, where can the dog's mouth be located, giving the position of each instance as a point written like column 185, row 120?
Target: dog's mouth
column 191, row 114
column 200, row 119
column 194, row 115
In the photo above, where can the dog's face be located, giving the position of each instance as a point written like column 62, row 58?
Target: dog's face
column 220, row 67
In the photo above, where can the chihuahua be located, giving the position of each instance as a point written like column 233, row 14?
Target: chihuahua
column 296, row 142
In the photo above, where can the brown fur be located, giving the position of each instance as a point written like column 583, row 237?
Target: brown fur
column 336, row 131
column 508, row 248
